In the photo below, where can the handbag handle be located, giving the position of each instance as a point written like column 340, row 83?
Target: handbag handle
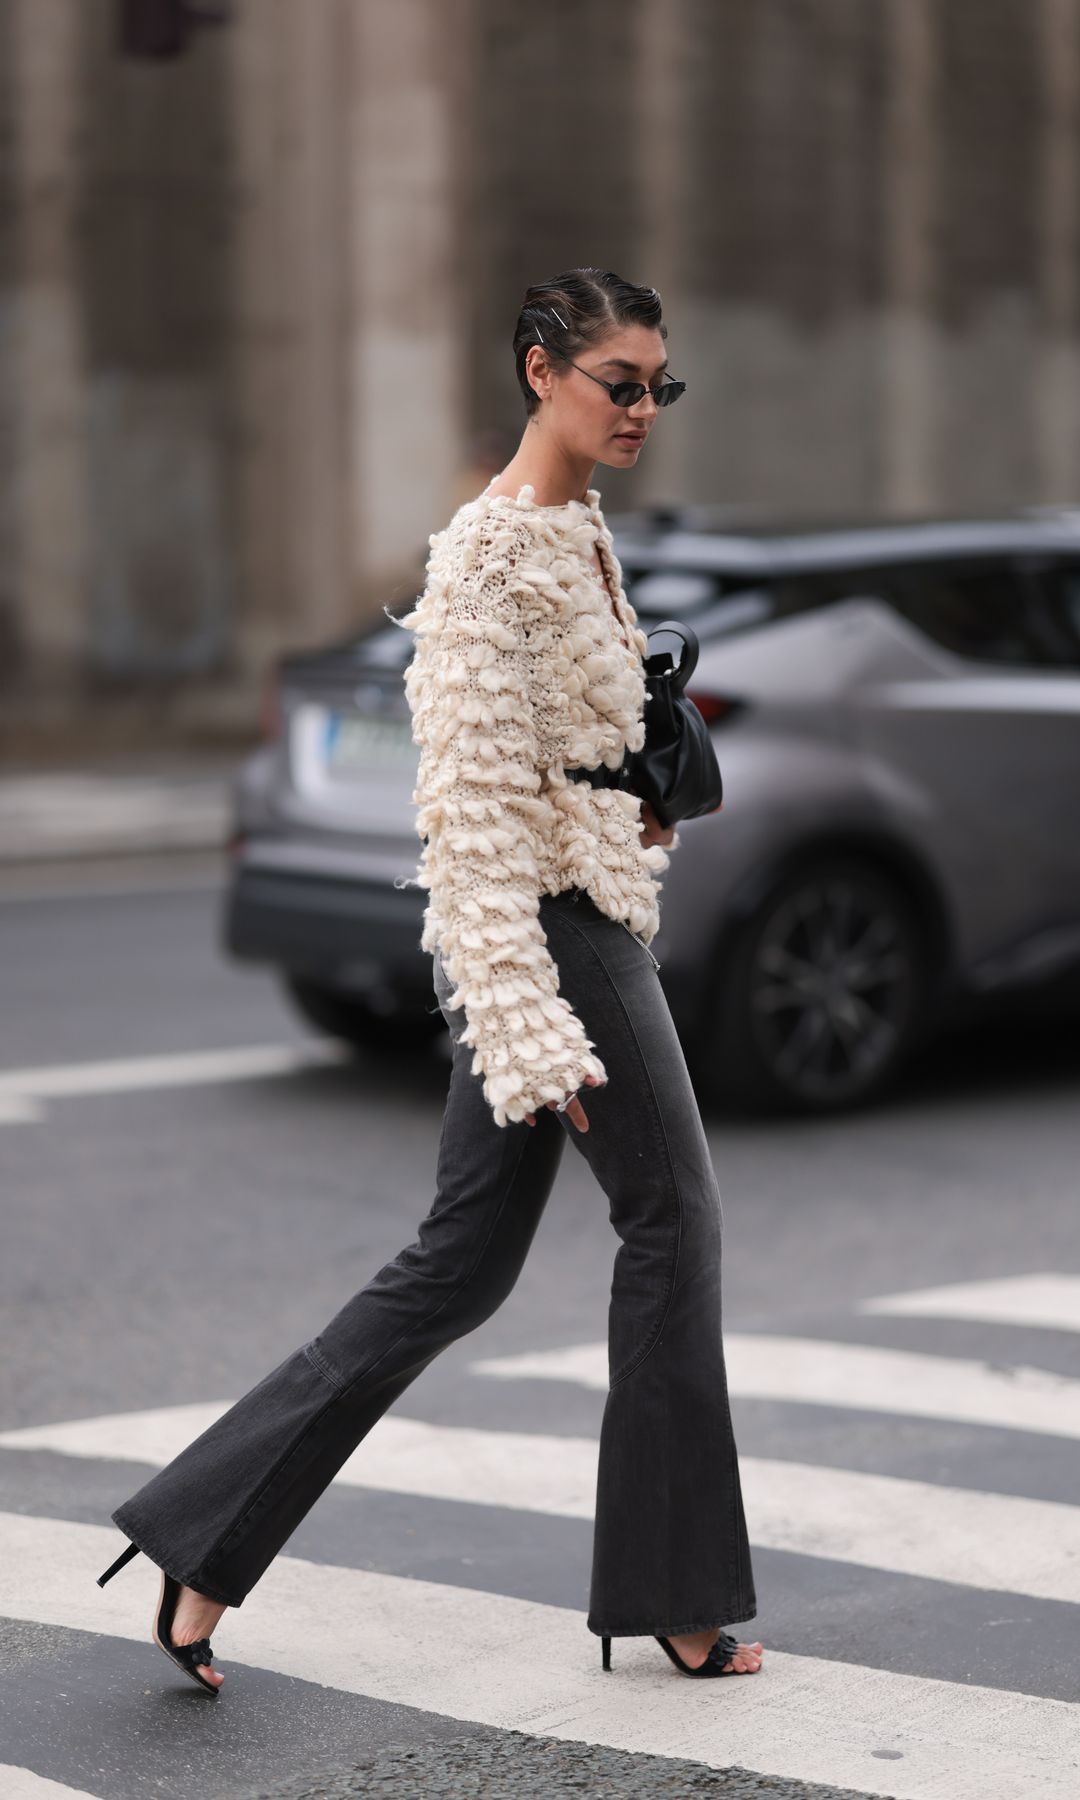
column 672, row 635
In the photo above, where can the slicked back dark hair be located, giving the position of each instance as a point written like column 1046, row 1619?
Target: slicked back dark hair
column 576, row 309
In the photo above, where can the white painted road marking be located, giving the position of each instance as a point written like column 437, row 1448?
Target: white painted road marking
column 18, row 1109
column 386, row 1637
column 1049, row 1301
column 959, row 1535
column 26, row 1088
column 23, row 1784
column 814, row 1372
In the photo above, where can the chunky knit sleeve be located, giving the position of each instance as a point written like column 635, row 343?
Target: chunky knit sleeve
column 476, row 687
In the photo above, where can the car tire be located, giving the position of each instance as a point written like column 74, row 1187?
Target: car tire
column 355, row 1021
column 821, row 992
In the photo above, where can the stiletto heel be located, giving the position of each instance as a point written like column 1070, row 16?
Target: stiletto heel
column 114, row 1568
column 189, row 1657
column 605, row 1651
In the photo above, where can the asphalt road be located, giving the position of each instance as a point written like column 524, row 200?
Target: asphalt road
column 178, row 1215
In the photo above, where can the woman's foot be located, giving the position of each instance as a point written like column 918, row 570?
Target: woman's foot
column 195, row 1617
column 694, row 1647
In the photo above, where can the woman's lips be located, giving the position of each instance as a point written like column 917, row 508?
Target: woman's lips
column 631, row 437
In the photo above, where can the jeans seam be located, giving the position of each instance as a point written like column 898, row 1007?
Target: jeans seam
column 651, row 1342
column 279, row 1467
column 319, row 1362
column 736, row 1534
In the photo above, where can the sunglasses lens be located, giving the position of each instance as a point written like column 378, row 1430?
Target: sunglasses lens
column 626, row 393
column 669, row 393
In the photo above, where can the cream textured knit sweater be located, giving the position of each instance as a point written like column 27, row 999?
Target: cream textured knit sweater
column 520, row 671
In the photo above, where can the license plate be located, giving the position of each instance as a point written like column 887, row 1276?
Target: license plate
column 355, row 743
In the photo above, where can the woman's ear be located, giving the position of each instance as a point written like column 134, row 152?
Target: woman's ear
column 538, row 371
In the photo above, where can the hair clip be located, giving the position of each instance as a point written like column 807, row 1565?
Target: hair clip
column 536, row 328
column 560, row 318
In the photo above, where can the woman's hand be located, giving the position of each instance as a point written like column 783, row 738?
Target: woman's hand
column 573, row 1109
column 652, row 832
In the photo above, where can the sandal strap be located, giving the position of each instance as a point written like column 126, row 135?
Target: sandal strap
column 196, row 1655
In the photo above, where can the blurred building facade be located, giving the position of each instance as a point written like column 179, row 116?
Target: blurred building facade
column 256, row 300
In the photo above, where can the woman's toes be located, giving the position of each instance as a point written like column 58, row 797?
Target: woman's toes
column 197, row 1617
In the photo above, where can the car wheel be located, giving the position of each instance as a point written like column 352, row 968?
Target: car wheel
column 821, row 992
column 358, row 1022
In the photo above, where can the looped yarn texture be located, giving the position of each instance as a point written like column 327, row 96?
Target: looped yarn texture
column 519, row 672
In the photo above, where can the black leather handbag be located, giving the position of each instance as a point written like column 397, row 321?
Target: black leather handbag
column 676, row 770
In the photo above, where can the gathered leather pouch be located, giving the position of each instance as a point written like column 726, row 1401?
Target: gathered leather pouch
column 676, row 770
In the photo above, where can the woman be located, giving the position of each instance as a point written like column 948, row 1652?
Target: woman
column 526, row 689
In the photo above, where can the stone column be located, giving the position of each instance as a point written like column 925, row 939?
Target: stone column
column 908, row 335
column 658, row 149
column 409, row 269
column 292, row 474
column 1057, row 199
column 42, row 306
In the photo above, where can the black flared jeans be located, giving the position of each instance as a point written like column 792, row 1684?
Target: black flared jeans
column 670, row 1549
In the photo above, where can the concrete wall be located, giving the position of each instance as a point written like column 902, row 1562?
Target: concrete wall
column 862, row 215
column 256, row 302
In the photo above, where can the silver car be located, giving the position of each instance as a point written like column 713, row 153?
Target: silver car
column 897, row 716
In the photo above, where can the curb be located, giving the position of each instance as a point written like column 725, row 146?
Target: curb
column 75, row 816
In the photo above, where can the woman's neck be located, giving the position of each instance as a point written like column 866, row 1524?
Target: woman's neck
column 554, row 477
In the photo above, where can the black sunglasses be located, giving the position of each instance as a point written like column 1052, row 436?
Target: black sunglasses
column 628, row 393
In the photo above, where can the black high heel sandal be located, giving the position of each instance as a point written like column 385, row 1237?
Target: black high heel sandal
column 189, row 1657
column 725, row 1649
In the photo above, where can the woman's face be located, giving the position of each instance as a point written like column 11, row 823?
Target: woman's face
column 581, row 414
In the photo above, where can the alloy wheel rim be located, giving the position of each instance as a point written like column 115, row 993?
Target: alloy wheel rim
column 829, row 988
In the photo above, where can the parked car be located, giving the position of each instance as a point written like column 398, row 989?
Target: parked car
column 897, row 715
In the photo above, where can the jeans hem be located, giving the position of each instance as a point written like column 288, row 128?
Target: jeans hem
column 733, row 1618
column 150, row 1549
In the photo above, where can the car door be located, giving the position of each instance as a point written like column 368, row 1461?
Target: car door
column 987, row 738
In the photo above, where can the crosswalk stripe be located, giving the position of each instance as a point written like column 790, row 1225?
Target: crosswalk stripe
column 22, row 1784
column 1051, row 1302
column 526, row 1666
column 18, row 1109
column 128, row 1075
column 958, row 1535
column 811, row 1371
